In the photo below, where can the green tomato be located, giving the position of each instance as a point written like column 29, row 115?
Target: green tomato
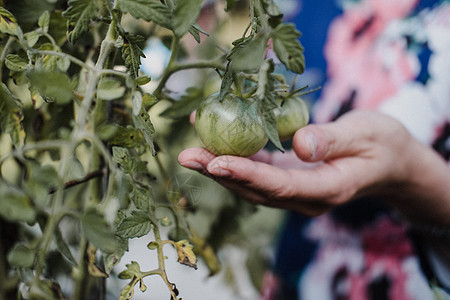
column 231, row 126
column 291, row 116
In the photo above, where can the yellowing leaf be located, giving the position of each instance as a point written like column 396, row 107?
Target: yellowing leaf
column 185, row 254
column 8, row 23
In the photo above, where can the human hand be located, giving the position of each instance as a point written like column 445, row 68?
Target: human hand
column 361, row 154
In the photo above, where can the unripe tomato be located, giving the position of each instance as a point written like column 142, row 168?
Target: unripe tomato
column 291, row 116
column 231, row 126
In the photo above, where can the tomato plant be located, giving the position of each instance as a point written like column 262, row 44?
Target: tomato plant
column 85, row 169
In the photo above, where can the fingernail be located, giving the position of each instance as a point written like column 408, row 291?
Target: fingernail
column 311, row 143
column 192, row 165
column 220, row 172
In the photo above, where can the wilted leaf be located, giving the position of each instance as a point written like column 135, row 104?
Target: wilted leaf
column 97, row 232
column 287, row 47
column 136, row 100
column 79, row 15
column 93, row 269
column 137, row 225
column 21, row 256
column 11, row 116
column 186, row 13
column 185, row 254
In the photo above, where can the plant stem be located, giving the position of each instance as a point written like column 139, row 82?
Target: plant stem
column 161, row 264
column 81, row 277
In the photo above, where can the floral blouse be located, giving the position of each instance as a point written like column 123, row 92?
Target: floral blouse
column 387, row 55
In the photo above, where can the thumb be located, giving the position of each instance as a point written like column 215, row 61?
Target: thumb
column 315, row 143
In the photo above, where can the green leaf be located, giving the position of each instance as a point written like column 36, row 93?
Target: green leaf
column 148, row 100
column 267, row 102
column 230, row 5
column 53, row 86
column 149, row 10
column 44, row 21
column 41, row 179
column 186, row 13
column 287, row 47
column 122, row 157
column 97, row 232
column 79, row 15
column 144, row 124
column 63, row 247
column 21, row 256
column 186, row 105
column 15, row 63
column 227, row 82
column 137, row 225
column 248, row 53
column 133, row 270
column 109, row 89
column 15, row 205
column 142, row 80
column 141, row 197
column 112, row 259
column 132, row 53
column 8, row 23
column 32, row 37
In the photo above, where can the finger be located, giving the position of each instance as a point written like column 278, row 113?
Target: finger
column 195, row 158
column 346, row 137
column 192, row 117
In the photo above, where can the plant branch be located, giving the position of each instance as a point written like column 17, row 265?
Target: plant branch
column 75, row 182
column 4, row 53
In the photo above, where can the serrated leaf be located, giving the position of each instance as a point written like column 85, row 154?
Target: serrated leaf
column 137, row 225
column 15, row 205
column 144, row 124
column 248, row 53
column 8, row 23
column 186, row 13
column 97, row 232
column 54, row 86
column 133, row 270
column 79, row 15
column 21, row 256
column 186, row 105
column 149, row 10
column 287, row 47
column 15, row 63
column 141, row 198
column 109, row 89
column 267, row 102
column 11, row 116
column 122, row 157
column 132, row 53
